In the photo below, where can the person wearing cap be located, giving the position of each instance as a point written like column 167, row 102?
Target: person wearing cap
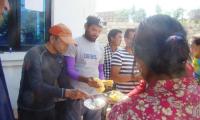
column 84, row 63
column 44, row 77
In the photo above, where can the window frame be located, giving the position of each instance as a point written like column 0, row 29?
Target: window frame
column 14, row 26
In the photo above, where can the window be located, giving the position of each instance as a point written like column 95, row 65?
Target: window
column 4, row 29
column 29, row 23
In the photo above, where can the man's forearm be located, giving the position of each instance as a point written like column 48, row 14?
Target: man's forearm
column 101, row 72
column 70, row 63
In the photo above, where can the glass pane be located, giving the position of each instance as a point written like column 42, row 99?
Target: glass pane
column 4, row 29
column 32, row 22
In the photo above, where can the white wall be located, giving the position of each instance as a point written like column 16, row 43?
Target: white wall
column 12, row 67
column 73, row 13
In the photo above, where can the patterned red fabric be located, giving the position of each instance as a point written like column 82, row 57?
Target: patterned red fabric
column 177, row 99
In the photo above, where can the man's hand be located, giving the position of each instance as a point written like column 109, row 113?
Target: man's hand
column 92, row 83
column 75, row 94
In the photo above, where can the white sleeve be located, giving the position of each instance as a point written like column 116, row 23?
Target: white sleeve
column 71, row 51
column 102, row 58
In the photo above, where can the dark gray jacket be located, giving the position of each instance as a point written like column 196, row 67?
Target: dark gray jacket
column 42, row 73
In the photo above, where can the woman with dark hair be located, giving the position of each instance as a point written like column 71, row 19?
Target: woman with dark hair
column 162, row 51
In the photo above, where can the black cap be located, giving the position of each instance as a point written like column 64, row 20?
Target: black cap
column 93, row 20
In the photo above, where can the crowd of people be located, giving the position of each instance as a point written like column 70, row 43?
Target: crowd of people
column 155, row 69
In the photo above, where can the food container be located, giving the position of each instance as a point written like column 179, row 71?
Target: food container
column 98, row 101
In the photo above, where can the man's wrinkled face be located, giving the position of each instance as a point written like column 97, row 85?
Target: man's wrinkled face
column 92, row 32
column 59, row 45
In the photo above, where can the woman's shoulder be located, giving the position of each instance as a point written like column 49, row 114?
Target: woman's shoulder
column 160, row 101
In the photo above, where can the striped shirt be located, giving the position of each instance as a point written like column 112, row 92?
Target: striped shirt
column 128, row 66
column 107, row 61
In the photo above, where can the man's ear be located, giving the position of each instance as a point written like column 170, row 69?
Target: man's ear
column 111, row 39
column 51, row 39
column 85, row 26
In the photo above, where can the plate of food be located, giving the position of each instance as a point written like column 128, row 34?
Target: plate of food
column 96, row 102
column 116, row 96
column 103, row 85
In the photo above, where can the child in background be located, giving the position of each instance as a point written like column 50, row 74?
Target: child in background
column 195, row 49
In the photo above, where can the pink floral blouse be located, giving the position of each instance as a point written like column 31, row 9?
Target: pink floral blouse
column 177, row 99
